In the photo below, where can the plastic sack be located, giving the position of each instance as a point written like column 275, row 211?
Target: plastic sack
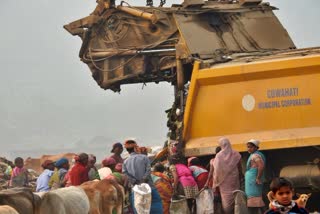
column 204, row 201
column 179, row 205
column 142, row 198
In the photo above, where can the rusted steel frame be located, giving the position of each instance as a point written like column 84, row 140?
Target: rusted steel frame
column 139, row 13
column 102, row 54
column 76, row 27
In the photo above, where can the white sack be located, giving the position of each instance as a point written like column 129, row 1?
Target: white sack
column 205, row 202
column 142, row 198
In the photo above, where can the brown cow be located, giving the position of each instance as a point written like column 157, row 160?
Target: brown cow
column 35, row 163
column 5, row 209
column 21, row 199
column 56, row 157
column 104, row 196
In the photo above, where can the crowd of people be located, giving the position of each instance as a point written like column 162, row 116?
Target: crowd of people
column 168, row 179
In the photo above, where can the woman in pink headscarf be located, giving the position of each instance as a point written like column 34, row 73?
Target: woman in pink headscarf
column 226, row 174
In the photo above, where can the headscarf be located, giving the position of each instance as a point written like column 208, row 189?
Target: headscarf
column 128, row 144
column 254, row 142
column 81, row 158
column 92, row 158
column 61, row 161
column 108, row 162
column 47, row 163
column 225, row 161
column 142, row 150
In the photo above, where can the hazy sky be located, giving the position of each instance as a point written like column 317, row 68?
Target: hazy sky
column 48, row 99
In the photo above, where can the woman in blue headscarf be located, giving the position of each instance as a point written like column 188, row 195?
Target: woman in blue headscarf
column 254, row 177
column 57, row 180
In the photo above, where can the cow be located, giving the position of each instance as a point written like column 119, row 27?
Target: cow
column 104, row 196
column 5, row 209
column 21, row 199
column 35, row 163
column 56, row 157
column 69, row 200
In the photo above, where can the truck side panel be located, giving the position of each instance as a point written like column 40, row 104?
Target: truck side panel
column 276, row 101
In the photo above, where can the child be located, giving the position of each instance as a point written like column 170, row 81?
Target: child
column 19, row 177
column 282, row 190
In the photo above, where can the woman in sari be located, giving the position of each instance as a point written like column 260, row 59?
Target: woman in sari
column 92, row 169
column 226, row 174
column 163, row 185
column 116, row 171
column 254, row 177
column 209, row 183
column 183, row 181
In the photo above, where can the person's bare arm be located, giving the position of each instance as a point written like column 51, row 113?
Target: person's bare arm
column 260, row 165
column 240, row 169
column 175, row 179
column 210, row 175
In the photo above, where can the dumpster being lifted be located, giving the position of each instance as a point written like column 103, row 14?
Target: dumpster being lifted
column 125, row 44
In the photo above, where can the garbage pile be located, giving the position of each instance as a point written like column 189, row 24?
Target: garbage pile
column 6, row 167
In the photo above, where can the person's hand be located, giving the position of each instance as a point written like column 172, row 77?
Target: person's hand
column 145, row 180
column 206, row 186
column 175, row 191
column 175, row 197
column 136, row 183
column 242, row 179
column 258, row 181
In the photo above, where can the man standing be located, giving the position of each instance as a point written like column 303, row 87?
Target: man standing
column 117, row 149
column 138, row 170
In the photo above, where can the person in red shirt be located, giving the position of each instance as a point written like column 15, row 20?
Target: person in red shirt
column 79, row 173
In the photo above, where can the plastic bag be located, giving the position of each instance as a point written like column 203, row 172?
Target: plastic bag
column 205, row 203
column 179, row 205
column 142, row 198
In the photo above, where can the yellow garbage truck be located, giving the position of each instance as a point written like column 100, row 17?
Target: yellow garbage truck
column 273, row 98
column 235, row 70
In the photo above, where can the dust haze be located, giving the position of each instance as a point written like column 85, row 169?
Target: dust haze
column 49, row 101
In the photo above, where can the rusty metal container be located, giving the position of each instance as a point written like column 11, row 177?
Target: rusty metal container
column 127, row 44
column 303, row 175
